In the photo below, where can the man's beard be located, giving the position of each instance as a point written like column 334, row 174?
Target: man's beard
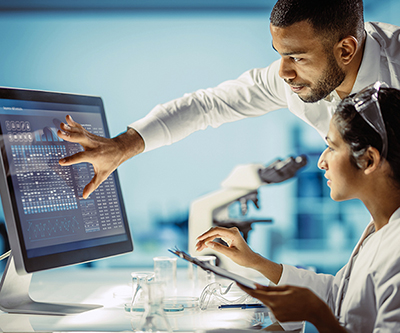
column 330, row 79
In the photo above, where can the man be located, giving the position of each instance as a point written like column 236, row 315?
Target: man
column 326, row 53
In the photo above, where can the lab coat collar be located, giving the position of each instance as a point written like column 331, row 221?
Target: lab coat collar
column 333, row 97
column 395, row 215
column 369, row 70
column 370, row 229
column 346, row 276
column 367, row 232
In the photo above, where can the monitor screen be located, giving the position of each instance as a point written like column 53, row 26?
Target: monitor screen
column 49, row 223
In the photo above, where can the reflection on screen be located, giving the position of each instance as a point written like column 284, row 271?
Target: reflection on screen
column 53, row 216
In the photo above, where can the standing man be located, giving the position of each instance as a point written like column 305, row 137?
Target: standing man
column 327, row 52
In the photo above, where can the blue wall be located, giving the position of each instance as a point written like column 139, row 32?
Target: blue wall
column 135, row 60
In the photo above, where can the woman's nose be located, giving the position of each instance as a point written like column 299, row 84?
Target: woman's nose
column 322, row 162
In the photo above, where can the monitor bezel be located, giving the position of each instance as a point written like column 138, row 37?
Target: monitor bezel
column 23, row 263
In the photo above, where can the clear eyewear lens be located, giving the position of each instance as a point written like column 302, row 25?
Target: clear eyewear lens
column 367, row 105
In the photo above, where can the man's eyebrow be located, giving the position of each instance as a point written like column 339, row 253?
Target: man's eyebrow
column 289, row 53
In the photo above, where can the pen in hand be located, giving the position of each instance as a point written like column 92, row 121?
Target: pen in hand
column 241, row 306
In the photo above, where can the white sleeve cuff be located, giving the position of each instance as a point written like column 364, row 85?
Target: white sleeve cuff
column 153, row 131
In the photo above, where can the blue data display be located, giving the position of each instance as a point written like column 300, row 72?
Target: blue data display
column 52, row 213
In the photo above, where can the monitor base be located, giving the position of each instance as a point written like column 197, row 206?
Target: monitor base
column 14, row 296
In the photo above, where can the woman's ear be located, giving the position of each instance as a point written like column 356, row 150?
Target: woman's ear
column 372, row 160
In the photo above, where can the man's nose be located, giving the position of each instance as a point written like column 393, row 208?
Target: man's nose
column 286, row 70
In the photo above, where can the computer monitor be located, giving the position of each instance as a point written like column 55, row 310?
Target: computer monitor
column 49, row 224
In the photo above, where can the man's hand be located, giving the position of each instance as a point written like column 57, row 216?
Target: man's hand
column 104, row 154
column 290, row 303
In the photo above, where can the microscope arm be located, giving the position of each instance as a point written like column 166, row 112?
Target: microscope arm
column 202, row 212
column 244, row 226
column 241, row 185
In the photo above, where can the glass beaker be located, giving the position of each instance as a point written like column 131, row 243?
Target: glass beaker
column 139, row 280
column 200, row 277
column 154, row 319
column 165, row 272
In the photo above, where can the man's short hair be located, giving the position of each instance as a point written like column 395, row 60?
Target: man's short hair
column 333, row 19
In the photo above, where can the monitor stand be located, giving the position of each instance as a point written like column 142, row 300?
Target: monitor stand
column 14, row 296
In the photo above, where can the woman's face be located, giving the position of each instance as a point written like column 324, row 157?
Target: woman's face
column 344, row 178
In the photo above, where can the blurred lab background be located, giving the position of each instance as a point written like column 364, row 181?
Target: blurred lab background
column 136, row 54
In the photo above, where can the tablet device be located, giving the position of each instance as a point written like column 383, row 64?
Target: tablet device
column 215, row 269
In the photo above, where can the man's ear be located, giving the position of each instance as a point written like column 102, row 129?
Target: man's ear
column 346, row 49
column 372, row 160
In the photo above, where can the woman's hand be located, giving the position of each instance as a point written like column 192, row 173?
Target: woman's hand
column 239, row 251
column 237, row 248
column 291, row 303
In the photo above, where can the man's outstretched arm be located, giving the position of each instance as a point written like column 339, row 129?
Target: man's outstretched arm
column 104, row 154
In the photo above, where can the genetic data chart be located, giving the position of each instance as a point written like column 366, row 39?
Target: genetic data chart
column 50, row 195
column 44, row 185
column 52, row 227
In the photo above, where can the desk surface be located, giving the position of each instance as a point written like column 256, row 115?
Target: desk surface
column 110, row 288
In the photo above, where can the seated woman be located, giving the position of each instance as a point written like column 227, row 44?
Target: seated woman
column 362, row 161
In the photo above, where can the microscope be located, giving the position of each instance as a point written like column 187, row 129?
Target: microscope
column 242, row 186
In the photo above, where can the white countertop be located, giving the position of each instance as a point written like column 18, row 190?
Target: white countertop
column 110, row 288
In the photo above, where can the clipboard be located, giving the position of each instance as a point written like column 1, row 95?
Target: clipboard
column 215, row 269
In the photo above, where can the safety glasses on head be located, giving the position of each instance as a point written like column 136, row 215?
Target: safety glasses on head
column 367, row 105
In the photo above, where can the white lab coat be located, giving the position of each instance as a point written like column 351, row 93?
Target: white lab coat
column 365, row 294
column 372, row 301
column 261, row 90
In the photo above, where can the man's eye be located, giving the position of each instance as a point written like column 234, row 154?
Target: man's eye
column 295, row 59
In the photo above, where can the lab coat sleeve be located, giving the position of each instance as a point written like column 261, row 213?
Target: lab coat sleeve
column 254, row 93
column 325, row 286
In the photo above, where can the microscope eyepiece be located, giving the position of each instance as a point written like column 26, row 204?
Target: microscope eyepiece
column 280, row 171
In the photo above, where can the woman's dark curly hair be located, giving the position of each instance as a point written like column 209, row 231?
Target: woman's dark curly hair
column 359, row 135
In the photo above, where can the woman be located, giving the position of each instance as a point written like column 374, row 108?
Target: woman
column 362, row 161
